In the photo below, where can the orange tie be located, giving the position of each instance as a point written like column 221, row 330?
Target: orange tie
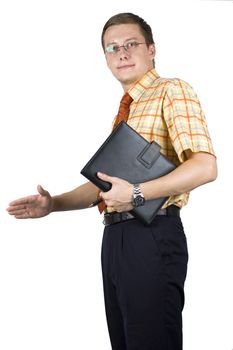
column 123, row 111
column 123, row 114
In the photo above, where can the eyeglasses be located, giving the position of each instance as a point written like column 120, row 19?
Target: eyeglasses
column 130, row 46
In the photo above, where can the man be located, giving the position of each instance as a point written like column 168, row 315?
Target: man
column 144, row 267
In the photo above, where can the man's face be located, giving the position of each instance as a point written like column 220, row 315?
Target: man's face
column 128, row 65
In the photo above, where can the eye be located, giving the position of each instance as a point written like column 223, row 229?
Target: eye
column 131, row 45
column 112, row 48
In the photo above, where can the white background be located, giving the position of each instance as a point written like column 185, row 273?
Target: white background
column 57, row 101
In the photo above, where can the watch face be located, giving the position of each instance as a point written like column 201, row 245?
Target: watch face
column 139, row 201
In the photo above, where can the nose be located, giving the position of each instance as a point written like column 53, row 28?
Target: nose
column 123, row 53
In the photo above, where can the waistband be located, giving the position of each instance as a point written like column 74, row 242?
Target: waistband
column 114, row 217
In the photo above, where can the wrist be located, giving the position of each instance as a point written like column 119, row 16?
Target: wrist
column 138, row 198
column 54, row 204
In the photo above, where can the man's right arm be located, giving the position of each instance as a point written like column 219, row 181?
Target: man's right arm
column 79, row 198
column 42, row 204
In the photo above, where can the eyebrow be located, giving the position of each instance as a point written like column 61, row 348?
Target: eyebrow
column 114, row 42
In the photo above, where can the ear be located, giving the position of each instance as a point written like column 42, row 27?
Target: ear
column 152, row 51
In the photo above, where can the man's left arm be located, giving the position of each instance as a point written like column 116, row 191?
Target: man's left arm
column 190, row 138
column 198, row 169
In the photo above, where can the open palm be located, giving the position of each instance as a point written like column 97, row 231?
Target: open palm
column 34, row 206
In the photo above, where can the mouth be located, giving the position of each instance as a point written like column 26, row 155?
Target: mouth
column 126, row 66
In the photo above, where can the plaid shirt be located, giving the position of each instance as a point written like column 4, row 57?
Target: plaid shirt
column 168, row 111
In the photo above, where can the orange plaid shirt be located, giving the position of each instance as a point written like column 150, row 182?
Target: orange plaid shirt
column 168, row 111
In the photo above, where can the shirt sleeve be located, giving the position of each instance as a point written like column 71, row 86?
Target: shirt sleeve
column 185, row 120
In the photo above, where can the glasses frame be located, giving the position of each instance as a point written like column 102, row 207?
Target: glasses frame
column 127, row 49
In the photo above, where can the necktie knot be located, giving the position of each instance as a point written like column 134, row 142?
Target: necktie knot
column 126, row 100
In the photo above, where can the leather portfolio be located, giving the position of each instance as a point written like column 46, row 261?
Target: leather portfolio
column 127, row 155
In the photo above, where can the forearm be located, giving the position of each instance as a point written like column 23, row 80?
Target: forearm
column 194, row 172
column 79, row 198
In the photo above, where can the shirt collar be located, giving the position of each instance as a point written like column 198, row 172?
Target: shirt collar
column 140, row 86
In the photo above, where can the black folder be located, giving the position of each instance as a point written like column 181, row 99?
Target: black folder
column 127, row 155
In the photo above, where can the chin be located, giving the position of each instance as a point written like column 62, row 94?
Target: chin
column 127, row 78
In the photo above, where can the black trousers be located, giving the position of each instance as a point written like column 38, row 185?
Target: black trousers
column 144, row 270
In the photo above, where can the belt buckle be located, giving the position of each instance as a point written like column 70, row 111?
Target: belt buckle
column 115, row 217
column 104, row 221
column 112, row 218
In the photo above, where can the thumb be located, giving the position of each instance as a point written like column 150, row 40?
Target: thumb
column 105, row 177
column 42, row 191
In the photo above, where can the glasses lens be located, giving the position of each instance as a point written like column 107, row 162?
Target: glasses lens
column 131, row 45
column 112, row 49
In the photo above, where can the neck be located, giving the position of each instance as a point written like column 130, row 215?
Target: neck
column 127, row 85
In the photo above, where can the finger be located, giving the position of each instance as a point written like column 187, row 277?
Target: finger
column 42, row 191
column 109, row 203
column 104, row 195
column 110, row 209
column 20, row 201
column 14, row 209
column 106, row 177
column 22, row 214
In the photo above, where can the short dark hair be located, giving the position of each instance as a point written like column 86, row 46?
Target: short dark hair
column 127, row 18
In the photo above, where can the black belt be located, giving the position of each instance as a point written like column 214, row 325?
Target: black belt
column 114, row 217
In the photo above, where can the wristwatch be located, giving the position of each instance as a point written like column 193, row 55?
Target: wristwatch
column 138, row 198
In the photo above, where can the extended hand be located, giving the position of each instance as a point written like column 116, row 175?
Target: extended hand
column 119, row 198
column 34, row 206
